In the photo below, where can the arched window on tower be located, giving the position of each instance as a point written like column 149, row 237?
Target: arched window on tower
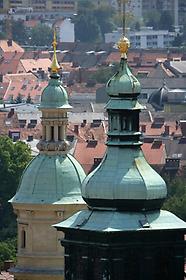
column 23, row 239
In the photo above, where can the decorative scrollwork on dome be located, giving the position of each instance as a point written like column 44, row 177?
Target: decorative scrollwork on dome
column 51, row 146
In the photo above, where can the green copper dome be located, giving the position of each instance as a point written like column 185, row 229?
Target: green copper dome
column 52, row 179
column 124, row 180
column 54, row 95
column 123, row 82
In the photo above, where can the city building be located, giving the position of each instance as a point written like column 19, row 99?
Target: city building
column 145, row 38
column 65, row 31
column 48, row 9
column 50, row 189
column 168, row 100
column 123, row 234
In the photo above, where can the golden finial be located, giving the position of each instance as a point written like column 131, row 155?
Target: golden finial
column 123, row 46
column 55, row 65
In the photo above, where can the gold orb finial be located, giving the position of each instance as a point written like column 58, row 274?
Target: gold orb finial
column 55, row 65
column 123, row 46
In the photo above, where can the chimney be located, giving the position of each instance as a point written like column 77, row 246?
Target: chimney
column 177, row 124
column 183, row 127
column 1, row 78
column 92, row 143
column 143, row 128
column 76, row 129
column 83, row 123
column 167, row 130
column 156, row 144
column 9, row 42
column 11, row 113
column 30, row 138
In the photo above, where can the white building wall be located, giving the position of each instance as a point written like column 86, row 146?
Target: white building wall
column 66, row 31
column 146, row 38
column 160, row 41
column 143, row 41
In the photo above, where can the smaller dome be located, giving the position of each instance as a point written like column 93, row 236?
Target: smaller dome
column 52, row 179
column 54, row 95
column 123, row 82
column 159, row 97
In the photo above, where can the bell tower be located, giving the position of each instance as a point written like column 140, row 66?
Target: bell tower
column 50, row 189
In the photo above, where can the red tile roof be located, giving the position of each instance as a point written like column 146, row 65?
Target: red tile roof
column 35, row 64
column 14, row 47
column 9, row 66
column 86, row 154
column 154, row 154
column 25, row 87
column 158, row 130
column 3, row 88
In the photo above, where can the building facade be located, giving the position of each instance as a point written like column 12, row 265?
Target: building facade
column 48, row 9
column 145, row 38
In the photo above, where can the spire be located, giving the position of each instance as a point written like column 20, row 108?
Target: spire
column 123, row 44
column 123, row 11
column 55, row 65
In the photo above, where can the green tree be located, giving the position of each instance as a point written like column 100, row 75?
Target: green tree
column 103, row 74
column 7, row 250
column 177, row 41
column 152, row 19
column 104, row 15
column 166, row 21
column 13, row 160
column 29, row 99
column 18, row 99
column 85, row 5
column 86, row 28
column 176, row 201
column 41, row 35
column 93, row 21
column 19, row 32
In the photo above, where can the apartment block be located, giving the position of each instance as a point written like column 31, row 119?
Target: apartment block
column 38, row 5
column 145, row 38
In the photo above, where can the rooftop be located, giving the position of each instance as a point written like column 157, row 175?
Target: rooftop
column 10, row 47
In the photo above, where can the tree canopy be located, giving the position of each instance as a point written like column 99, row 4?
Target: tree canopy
column 92, row 22
column 176, row 201
column 41, row 35
column 13, row 160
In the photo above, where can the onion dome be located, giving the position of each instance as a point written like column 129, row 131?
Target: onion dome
column 123, row 82
column 54, row 176
column 159, row 97
column 124, row 180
